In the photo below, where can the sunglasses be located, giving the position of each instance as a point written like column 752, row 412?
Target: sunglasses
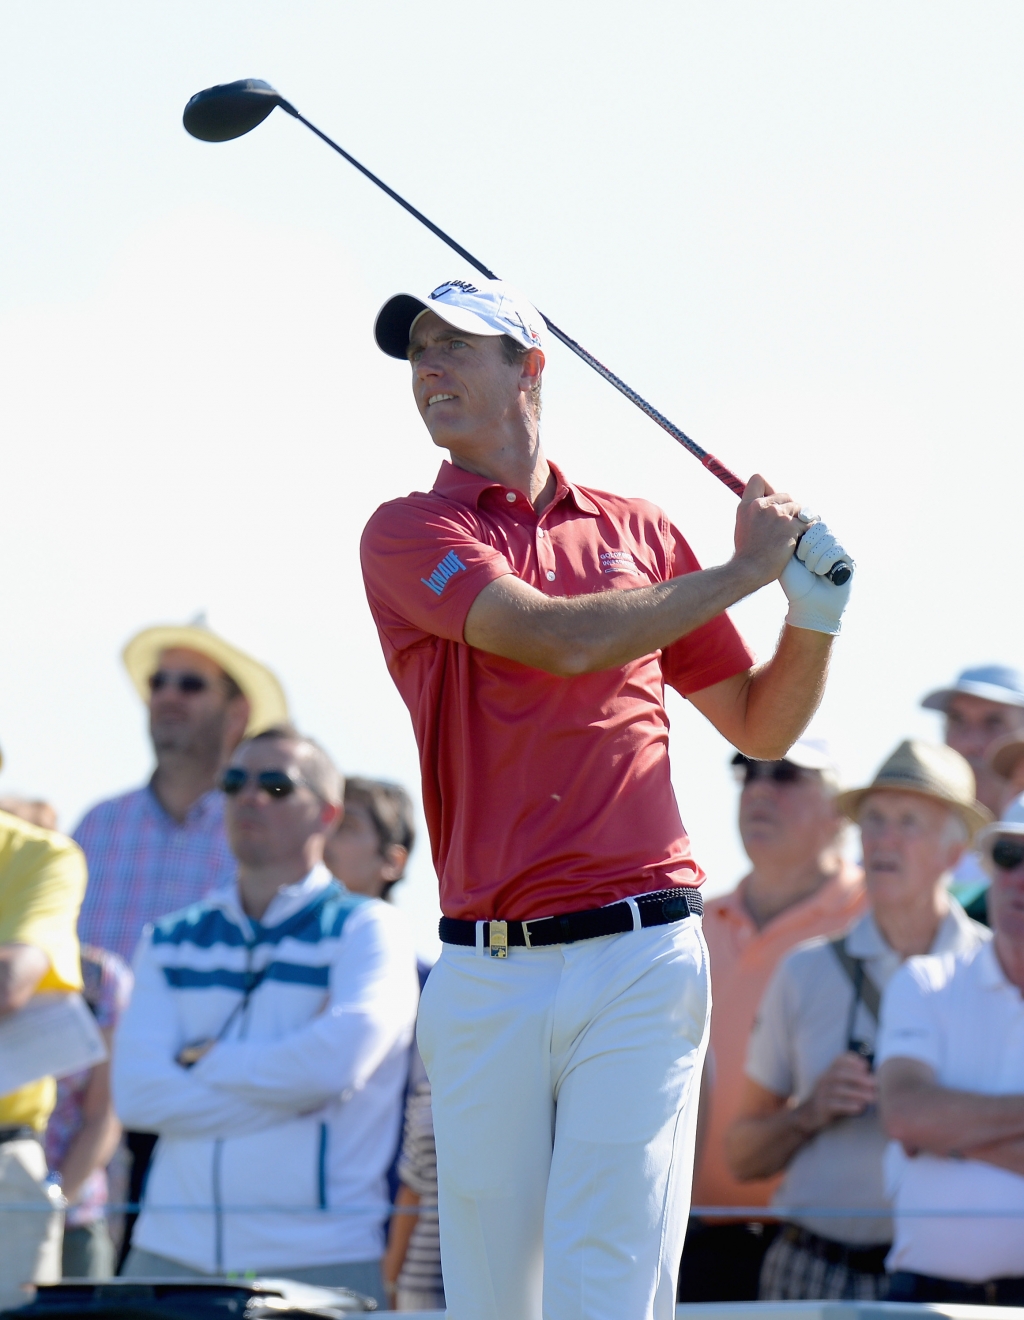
column 188, row 684
column 275, row 783
column 779, row 772
column 1007, row 854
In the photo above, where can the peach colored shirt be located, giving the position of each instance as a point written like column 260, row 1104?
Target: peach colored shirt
column 743, row 959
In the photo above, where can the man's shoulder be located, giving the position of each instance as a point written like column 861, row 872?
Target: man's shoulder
column 933, row 974
column 200, row 925
column 113, row 812
column 407, row 514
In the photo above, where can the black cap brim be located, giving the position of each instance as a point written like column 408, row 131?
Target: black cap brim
column 393, row 323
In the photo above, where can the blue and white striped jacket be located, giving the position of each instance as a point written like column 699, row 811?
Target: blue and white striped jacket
column 274, row 1147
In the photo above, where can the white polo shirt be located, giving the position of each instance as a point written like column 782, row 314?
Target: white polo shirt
column 960, row 1015
column 803, row 1025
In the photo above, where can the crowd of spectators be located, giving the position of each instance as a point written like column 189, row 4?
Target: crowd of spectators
column 254, row 1085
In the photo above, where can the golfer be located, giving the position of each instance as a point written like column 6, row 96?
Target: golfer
column 530, row 625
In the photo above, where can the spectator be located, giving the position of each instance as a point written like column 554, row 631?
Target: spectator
column 34, row 810
column 799, row 887
column 951, row 1083
column 161, row 847
column 42, row 879
column 266, row 1043
column 809, row 1102
column 983, row 706
column 369, row 850
column 412, row 1262
column 84, row 1131
column 1006, row 759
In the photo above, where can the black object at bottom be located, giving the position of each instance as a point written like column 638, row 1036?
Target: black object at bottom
column 185, row 1299
column 904, row 1286
column 658, row 909
column 140, row 1147
column 722, row 1262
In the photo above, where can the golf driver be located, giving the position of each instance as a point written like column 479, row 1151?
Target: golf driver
column 230, row 110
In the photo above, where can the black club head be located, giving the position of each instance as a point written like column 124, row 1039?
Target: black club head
column 228, row 110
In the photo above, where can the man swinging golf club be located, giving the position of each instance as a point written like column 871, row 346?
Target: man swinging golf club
column 530, row 625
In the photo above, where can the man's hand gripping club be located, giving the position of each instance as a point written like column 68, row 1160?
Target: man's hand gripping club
column 814, row 603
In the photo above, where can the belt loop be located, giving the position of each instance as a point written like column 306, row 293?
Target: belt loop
column 634, row 907
column 480, row 938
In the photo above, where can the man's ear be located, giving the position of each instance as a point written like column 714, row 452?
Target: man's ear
column 395, row 857
column 531, row 369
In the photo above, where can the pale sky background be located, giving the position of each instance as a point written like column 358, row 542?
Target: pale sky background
column 796, row 227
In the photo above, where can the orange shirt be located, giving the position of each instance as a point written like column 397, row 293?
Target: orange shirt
column 743, row 959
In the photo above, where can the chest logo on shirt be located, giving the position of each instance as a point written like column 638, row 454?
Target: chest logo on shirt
column 447, row 568
column 617, row 561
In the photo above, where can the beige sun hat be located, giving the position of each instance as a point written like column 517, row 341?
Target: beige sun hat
column 1004, row 754
column 934, row 771
column 267, row 703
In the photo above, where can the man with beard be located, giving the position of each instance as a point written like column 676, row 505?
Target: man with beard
column 162, row 846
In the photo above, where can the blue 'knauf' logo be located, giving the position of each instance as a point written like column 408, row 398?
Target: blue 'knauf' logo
column 447, row 568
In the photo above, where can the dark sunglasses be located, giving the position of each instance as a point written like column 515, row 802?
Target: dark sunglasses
column 188, row 684
column 779, row 772
column 275, row 783
column 1008, row 854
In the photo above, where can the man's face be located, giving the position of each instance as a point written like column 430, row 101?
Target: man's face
column 465, row 390
column 972, row 726
column 197, row 719
column 787, row 823
column 907, row 845
column 264, row 830
column 353, row 854
column 1006, row 896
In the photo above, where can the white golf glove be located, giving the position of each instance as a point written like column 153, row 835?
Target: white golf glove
column 814, row 602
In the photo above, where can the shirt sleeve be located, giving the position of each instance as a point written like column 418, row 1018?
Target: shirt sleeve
column 711, row 653
column 770, row 1049
column 423, row 566
column 44, row 880
column 910, row 1025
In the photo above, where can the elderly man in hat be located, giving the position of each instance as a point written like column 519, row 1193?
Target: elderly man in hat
column 798, row 886
column 809, row 1106
column 162, row 846
column 951, row 1094
column 982, row 708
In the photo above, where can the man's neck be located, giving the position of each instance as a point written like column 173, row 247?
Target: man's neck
column 771, row 888
column 257, row 885
column 520, row 465
column 179, row 781
column 1011, row 958
column 912, row 929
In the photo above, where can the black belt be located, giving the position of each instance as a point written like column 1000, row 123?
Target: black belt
column 657, row 909
column 905, row 1286
column 18, row 1134
column 864, row 1260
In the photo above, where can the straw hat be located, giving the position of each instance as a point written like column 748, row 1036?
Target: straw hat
column 1004, row 755
column 267, row 703
column 933, row 771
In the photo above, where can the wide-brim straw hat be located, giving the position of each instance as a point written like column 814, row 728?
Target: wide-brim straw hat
column 931, row 770
column 267, row 703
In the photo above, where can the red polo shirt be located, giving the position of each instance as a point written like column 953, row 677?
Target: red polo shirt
column 542, row 794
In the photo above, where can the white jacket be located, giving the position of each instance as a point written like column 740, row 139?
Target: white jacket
column 274, row 1147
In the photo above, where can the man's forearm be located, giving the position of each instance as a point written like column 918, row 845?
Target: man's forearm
column 763, row 1146
column 583, row 634
column 1003, row 1154
column 941, row 1121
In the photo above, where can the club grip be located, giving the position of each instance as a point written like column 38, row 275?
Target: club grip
column 840, row 573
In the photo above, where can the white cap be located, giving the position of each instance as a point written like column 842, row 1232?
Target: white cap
column 1012, row 822
column 488, row 307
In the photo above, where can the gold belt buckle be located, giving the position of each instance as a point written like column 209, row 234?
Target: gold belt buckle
column 498, row 939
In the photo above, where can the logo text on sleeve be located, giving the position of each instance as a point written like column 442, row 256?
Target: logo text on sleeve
column 447, row 568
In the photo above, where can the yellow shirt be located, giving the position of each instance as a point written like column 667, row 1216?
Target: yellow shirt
column 42, row 881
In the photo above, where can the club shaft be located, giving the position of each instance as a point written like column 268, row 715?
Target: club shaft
column 838, row 573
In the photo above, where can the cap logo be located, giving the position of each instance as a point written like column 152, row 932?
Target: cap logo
column 449, row 285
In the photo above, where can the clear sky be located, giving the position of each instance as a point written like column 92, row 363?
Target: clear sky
column 795, row 227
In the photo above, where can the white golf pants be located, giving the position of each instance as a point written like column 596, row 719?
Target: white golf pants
column 565, row 1084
